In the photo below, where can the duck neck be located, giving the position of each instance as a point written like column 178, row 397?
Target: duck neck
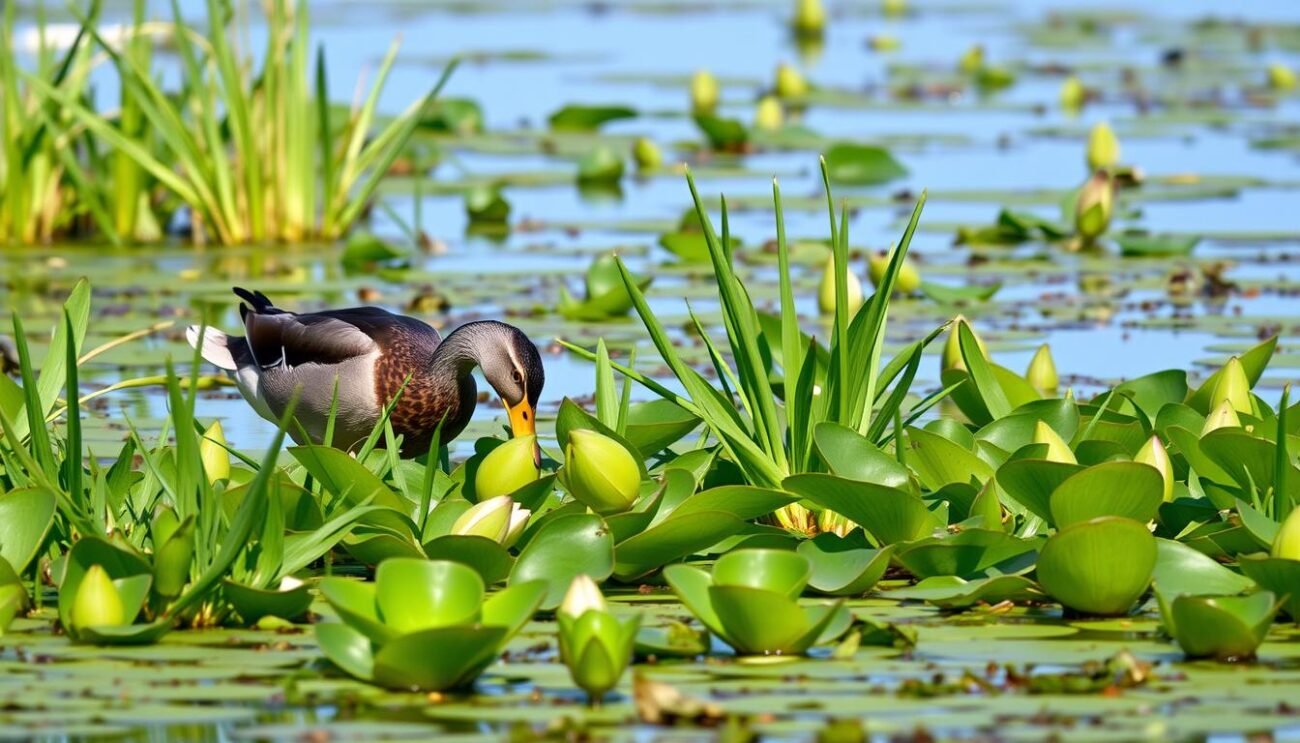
column 457, row 356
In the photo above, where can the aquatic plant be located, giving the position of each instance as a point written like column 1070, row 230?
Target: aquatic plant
column 750, row 601
column 767, row 443
column 260, row 154
column 595, row 645
column 1221, row 627
column 421, row 624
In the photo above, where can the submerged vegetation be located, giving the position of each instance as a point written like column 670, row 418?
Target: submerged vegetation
column 795, row 482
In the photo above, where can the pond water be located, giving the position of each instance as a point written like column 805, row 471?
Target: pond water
column 1198, row 135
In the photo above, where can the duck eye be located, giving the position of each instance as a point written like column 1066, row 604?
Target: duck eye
column 515, row 375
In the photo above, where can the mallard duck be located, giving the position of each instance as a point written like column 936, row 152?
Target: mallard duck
column 371, row 353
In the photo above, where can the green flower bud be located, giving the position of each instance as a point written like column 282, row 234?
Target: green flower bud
column 952, row 347
column 789, row 82
column 1093, row 209
column 212, row 450
column 499, row 519
column 1057, row 449
column 907, row 281
column 1073, row 94
column 600, row 165
column 1103, row 147
column 704, row 92
column 600, row 472
column 768, row 114
column 894, row 7
column 485, row 204
column 1153, row 453
column 1281, row 77
column 97, row 603
column 809, row 18
column 1287, row 543
column 507, row 468
column 583, row 596
column 1233, row 387
column 596, row 647
column 1223, row 416
column 646, row 154
column 884, row 43
column 972, row 60
column 1042, row 374
column 826, row 293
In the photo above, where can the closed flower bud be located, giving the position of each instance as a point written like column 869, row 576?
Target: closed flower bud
column 894, row 7
column 1223, row 416
column 1042, row 374
column 1233, row 387
column 1153, row 453
column 826, row 293
column 1103, row 147
column 1057, row 449
column 600, row 472
column 907, row 281
column 1093, row 209
column 212, row 450
column 972, row 60
column 583, row 596
column 1073, row 94
column 495, row 518
column 97, row 603
column 507, row 468
column 704, row 92
column 789, row 82
column 809, row 17
column 646, row 154
column 1287, row 543
column 1281, row 77
column 952, row 347
column 768, row 114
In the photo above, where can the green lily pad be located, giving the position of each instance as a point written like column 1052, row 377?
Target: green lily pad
column 861, row 165
column 1100, row 566
column 564, row 548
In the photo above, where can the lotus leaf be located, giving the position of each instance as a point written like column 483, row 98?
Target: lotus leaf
column 1100, row 566
column 751, row 604
column 1221, row 627
column 844, row 566
column 421, row 624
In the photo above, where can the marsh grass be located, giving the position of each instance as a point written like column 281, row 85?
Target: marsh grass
column 255, row 153
column 766, row 427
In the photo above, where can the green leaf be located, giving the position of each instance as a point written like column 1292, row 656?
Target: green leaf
column 565, row 547
column 583, row 118
column 1127, row 489
column 888, row 514
column 861, row 165
column 25, row 519
column 1100, row 566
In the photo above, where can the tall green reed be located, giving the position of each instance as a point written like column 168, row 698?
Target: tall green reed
column 766, row 428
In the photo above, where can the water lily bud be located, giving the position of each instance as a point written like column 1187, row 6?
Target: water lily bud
column 1073, row 94
column 490, row 518
column 1057, row 449
column 1042, row 374
column 789, row 82
column 1092, row 211
column 1287, row 543
column 1233, row 387
column 952, row 348
column 894, row 7
column 1103, row 147
column 972, row 60
column 1281, row 77
column 600, row 472
column 704, row 92
column 768, row 114
column 907, row 281
column 826, row 293
column 212, row 450
column 97, row 603
column 809, row 17
column 646, row 154
column 1153, row 453
column 1223, row 416
column 515, row 529
column 583, row 596
column 507, row 468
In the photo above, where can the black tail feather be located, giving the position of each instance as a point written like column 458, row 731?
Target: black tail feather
column 261, row 304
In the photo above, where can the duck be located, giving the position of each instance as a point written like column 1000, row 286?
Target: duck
column 374, row 357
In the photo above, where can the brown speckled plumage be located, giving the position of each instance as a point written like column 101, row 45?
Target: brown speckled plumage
column 372, row 355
